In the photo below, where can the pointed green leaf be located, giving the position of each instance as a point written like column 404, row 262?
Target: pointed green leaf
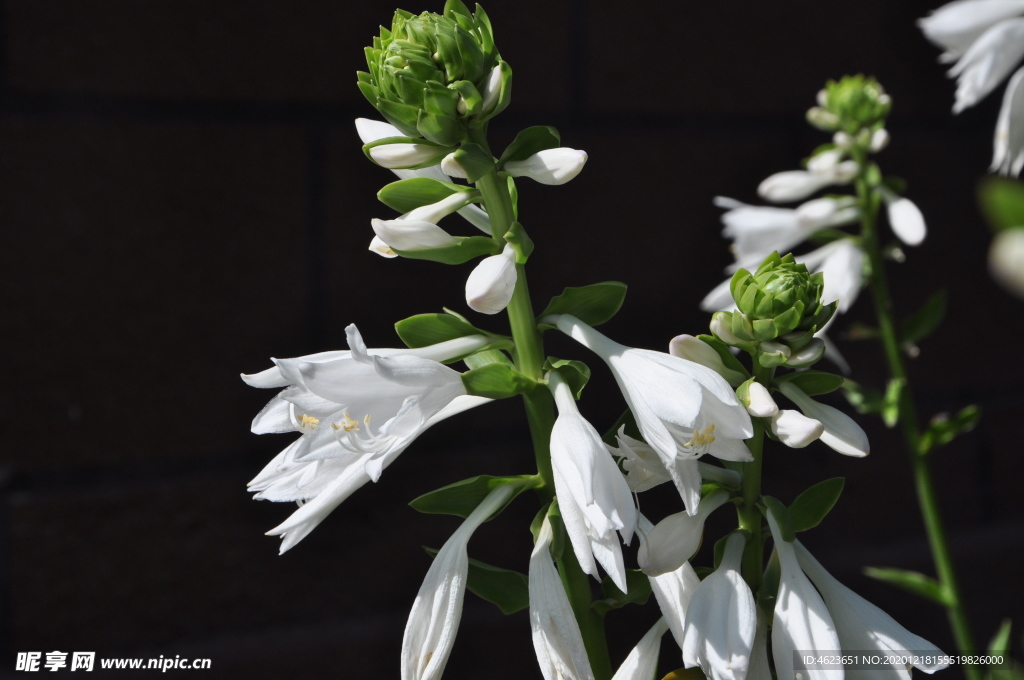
column 487, row 356
column 475, row 161
column 1002, row 202
column 507, row 589
column 593, row 304
column 911, row 581
column 574, row 373
column 429, row 329
column 1000, row 643
column 637, row 585
column 891, row 401
column 409, row 194
column 813, row 382
column 462, row 498
column 530, row 141
column 497, row 381
column 944, row 429
column 521, row 241
column 468, row 248
column 812, row 505
column 924, row 321
column 728, row 358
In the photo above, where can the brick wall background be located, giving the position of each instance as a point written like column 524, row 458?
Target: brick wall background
column 183, row 196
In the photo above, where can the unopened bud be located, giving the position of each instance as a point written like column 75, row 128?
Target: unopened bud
column 490, row 285
column 794, row 429
column 451, row 167
column 550, row 166
column 405, row 155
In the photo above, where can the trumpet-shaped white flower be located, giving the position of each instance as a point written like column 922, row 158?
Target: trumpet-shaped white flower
column 557, row 640
column 395, row 395
column 417, row 229
column 683, row 409
column 437, row 610
column 840, row 431
column 842, row 264
column 642, row 661
column 492, row 282
column 695, row 350
column 825, row 169
column 721, row 620
column 987, row 62
column 676, row 538
column 794, row 429
column 550, row 166
column 674, row 591
column 802, row 622
column 861, row 625
column 956, row 25
column 592, row 494
column 1006, row 260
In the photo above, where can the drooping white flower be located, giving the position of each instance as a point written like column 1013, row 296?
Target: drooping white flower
column 404, row 234
column 956, row 25
column 794, row 429
column 692, row 349
column 905, row 218
column 721, row 621
column 824, row 169
column 840, row 432
column 802, row 622
column 676, row 538
column 683, row 409
column 642, row 661
column 557, row 640
column 593, row 496
column 987, row 62
column 1008, row 145
column 862, row 626
column 550, row 166
column 492, row 282
column 673, row 592
column 437, row 610
column 1006, row 260
column 395, row 395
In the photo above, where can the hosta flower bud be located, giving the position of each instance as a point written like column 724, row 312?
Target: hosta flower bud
column 491, row 284
column 550, row 166
column 857, row 103
column 452, row 168
column 405, row 155
column 758, row 400
column 431, row 75
column 778, row 298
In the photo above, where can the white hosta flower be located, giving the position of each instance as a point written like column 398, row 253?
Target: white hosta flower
column 404, row 234
column 840, row 433
column 862, row 626
column 644, row 469
column 794, row 429
column 674, row 591
column 1006, row 260
column 695, row 350
column 987, row 62
column 683, row 409
column 956, row 25
column 842, row 263
column 402, row 155
column 372, row 130
column 757, row 231
column 802, row 622
column 557, row 640
column 593, row 496
column 437, row 610
column 642, row 661
column 378, row 246
column 905, row 218
column 1008, row 145
column 879, row 140
column 492, row 282
column 719, row 300
column 356, row 410
column 452, row 167
column 550, row 166
column 721, row 620
column 825, row 169
column 676, row 538
column 759, row 401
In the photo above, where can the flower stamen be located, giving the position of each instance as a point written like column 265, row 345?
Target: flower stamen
column 701, row 439
column 305, row 420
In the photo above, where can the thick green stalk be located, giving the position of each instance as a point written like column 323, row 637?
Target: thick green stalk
column 749, row 515
column 869, row 200
column 529, row 357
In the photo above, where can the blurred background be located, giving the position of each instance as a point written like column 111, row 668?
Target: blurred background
column 184, row 196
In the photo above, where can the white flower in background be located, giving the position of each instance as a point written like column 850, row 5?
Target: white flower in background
column 642, row 661
column 356, row 410
column 840, row 431
column 437, row 610
column 492, row 282
column 557, row 640
column 372, row 130
column 842, row 264
column 550, row 166
column 986, row 39
column 593, row 496
column 905, row 218
column 683, row 409
column 676, row 538
column 794, row 429
column 862, row 626
column 721, row 621
column 825, row 169
column 802, row 622
column 1006, row 260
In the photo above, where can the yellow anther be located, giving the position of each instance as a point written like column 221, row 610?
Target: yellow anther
column 305, row 420
column 702, row 439
column 347, row 423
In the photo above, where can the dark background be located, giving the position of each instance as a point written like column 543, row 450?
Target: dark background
column 184, row 196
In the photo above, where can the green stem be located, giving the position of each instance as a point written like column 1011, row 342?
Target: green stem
column 869, row 201
column 529, row 357
column 749, row 515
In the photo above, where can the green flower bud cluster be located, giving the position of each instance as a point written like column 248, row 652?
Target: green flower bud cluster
column 434, row 75
column 851, row 105
column 779, row 310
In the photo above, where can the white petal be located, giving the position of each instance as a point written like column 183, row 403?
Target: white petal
column 1006, row 260
column 372, row 130
column 690, row 348
column 841, row 432
column 987, row 62
column 676, row 538
column 642, row 661
column 792, row 185
column 673, row 591
column 719, row 299
column 955, row 25
column 842, row 264
column 383, row 249
column 550, row 166
column 1008, row 143
column 403, row 155
column 906, row 221
column 794, row 429
column 761, row 403
column 491, row 284
column 406, row 234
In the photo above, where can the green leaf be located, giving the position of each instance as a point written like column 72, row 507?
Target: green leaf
column 782, row 516
column 924, row 321
column 1002, row 202
column 429, row 329
column 462, row 498
column 891, row 401
column 864, row 399
column 911, row 581
column 1000, row 643
column 813, row 382
column 497, row 381
column 593, row 304
column 508, row 589
column 530, row 141
column 944, row 429
column 408, row 194
column 574, row 373
column 728, row 358
column 812, row 505
column 475, row 161
column 487, row 356
column 468, row 248
column 521, row 242
column 638, row 585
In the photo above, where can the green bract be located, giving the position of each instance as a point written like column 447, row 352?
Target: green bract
column 852, row 104
column 434, row 75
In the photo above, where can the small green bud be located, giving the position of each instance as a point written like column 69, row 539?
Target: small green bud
column 850, row 105
column 433, row 75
